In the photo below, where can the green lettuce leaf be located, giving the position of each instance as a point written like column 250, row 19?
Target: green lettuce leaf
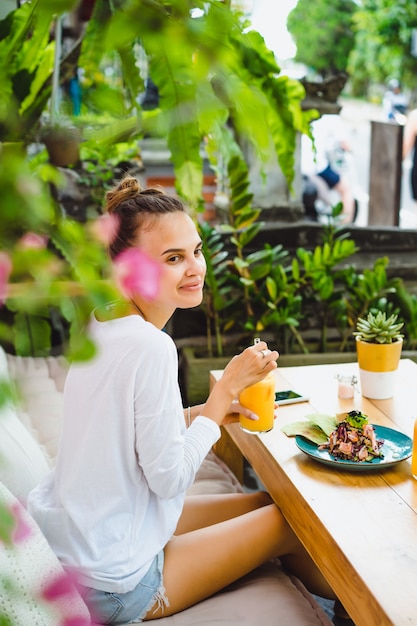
column 316, row 428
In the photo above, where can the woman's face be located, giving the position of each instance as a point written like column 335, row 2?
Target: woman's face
column 173, row 242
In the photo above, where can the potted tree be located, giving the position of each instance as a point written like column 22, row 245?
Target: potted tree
column 378, row 345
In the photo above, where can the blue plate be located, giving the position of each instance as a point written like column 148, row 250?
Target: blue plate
column 396, row 448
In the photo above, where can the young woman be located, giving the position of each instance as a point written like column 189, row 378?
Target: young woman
column 114, row 508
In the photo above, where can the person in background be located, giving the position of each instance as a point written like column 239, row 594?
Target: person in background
column 410, row 148
column 115, row 509
column 321, row 159
column 394, row 103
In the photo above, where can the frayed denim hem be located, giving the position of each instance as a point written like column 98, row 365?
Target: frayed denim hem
column 159, row 598
column 132, row 606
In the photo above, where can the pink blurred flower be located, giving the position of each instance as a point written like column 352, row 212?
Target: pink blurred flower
column 136, row 273
column 22, row 530
column 76, row 621
column 105, row 228
column 5, row 271
column 63, row 585
column 32, row 240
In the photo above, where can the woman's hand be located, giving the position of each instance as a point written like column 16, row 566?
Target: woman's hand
column 236, row 408
column 249, row 367
column 245, row 369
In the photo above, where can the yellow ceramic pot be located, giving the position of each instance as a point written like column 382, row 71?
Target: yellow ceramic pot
column 378, row 364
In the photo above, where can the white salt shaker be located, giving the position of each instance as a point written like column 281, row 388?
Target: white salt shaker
column 346, row 385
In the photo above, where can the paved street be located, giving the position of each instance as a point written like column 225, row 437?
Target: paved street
column 357, row 116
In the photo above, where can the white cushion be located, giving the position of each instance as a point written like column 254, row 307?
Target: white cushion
column 40, row 383
column 27, row 569
column 22, row 462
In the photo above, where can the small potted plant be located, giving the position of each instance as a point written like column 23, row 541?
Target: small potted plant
column 378, row 346
column 62, row 140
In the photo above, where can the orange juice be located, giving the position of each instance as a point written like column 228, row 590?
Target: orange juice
column 414, row 455
column 259, row 398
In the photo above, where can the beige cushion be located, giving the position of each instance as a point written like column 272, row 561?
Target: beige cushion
column 267, row 596
column 214, row 477
column 27, row 568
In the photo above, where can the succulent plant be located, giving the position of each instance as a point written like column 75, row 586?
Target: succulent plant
column 378, row 328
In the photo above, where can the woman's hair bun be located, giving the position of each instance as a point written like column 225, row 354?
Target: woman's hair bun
column 129, row 182
column 127, row 188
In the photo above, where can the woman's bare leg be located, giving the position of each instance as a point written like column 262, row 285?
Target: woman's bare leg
column 201, row 562
column 204, row 510
column 348, row 200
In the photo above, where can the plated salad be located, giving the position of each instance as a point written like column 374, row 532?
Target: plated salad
column 354, row 439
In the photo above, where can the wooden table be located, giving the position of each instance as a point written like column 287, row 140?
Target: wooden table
column 360, row 528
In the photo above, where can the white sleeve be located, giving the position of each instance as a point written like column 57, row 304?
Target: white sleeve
column 168, row 454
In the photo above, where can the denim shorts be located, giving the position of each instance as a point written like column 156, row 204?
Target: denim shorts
column 121, row 608
column 330, row 177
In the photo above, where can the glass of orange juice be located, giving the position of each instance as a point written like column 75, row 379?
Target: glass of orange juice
column 259, row 398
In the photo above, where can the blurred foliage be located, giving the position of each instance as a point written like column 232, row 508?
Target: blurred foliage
column 383, row 47
column 67, row 273
column 323, row 33
column 217, row 82
column 209, row 70
column 370, row 39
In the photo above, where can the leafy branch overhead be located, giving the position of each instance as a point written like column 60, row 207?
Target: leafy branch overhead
column 210, row 71
column 217, row 82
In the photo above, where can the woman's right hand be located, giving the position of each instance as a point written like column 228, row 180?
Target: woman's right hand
column 250, row 366
column 243, row 370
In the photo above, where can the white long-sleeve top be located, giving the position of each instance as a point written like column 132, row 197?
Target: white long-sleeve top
column 125, row 457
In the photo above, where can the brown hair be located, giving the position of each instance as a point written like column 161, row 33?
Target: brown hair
column 132, row 205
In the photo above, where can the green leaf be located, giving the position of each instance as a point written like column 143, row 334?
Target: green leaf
column 32, row 335
column 306, row 429
column 326, row 422
column 132, row 77
column 295, row 266
column 189, row 180
column 316, row 428
column 272, row 288
column 7, row 524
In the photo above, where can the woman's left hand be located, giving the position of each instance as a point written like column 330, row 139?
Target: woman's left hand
column 236, row 408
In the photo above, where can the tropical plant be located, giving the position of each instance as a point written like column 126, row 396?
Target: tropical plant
column 217, row 292
column 378, row 328
column 243, row 225
column 307, row 286
column 237, row 280
column 314, row 293
column 231, row 277
column 201, row 72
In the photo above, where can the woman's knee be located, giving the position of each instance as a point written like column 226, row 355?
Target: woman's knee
column 261, row 498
